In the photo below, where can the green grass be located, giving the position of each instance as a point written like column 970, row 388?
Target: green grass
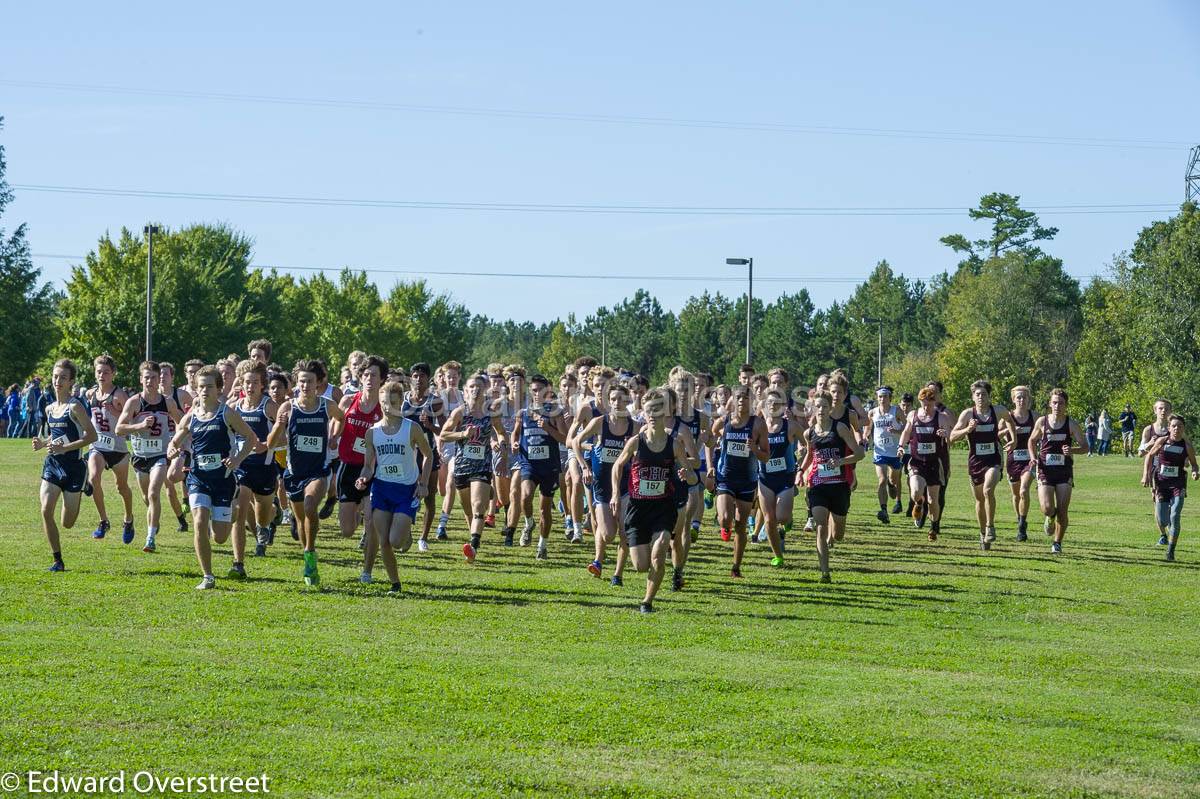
column 923, row 670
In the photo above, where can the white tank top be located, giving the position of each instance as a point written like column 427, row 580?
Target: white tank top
column 886, row 439
column 395, row 457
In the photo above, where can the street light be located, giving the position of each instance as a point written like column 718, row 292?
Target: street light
column 149, row 230
column 870, row 320
column 749, row 264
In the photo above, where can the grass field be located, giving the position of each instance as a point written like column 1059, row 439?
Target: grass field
column 925, row 669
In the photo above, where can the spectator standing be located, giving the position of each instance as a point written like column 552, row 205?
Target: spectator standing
column 1104, row 431
column 1090, row 430
column 1128, row 421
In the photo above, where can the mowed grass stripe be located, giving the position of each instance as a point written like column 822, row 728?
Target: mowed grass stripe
column 926, row 669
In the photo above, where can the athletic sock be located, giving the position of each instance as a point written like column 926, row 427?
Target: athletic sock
column 153, row 532
column 443, row 519
column 474, row 542
column 396, row 587
column 58, row 557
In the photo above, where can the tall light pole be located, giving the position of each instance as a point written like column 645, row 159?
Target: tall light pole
column 749, row 264
column 870, row 320
column 149, row 230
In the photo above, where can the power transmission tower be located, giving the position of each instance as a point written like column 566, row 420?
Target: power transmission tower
column 1192, row 181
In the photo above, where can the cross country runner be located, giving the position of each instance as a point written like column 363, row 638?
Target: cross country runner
column 476, row 431
column 64, row 473
column 1018, row 459
column 1154, row 431
column 741, row 443
column 211, row 424
column 147, row 421
column 1055, row 438
column 653, row 457
column 1163, row 470
column 257, row 477
column 360, row 410
column 396, row 481
column 777, row 478
column 982, row 425
column 609, row 432
column 831, row 449
column 885, row 422
column 303, row 423
column 110, row 452
column 538, row 434
column 927, row 431
column 426, row 408
column 177, row 470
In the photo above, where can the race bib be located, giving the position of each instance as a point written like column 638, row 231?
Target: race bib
column 1055, row 459
column 1168, row 471
column 473, row 452
column 61, row 441
column 738, row 449
column 776, row 464
column 311, row 444
column 538, row 452
column 884, row 442
column 828, row 470
column 1020, row 454
column 609, row 454
column 207, row 463
column 147, row 447
column 985, row 448
column 390, row 471
column 106, row 442
column 652, row 488
column 360, row 446
column 926, row 447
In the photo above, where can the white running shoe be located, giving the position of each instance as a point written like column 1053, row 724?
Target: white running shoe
column 207, row 584
column 366, row 577
column 576, row 538
column 422, row 545
column 542, row 554
column 526, row 537
column 810, row 525
column 762, row 535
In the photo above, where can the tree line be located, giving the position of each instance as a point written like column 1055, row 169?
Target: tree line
column 1008, row 312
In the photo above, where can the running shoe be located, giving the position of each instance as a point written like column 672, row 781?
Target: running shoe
column 508, row 536
column 677, row 580
column 366, row 578
column 183, row 526
column 735, row 572
column 362, row 540
column 1162, row 540
column 542, row 554
column 933, row 535
column 260, row 550
column 569, row 528
column 595, row 568
column 127, row 532
column 708, row 500
column 1022, row 530
column 561, row 508
column 469, row 552
column 882, row 516
column 394, row 590
column 489, row 520
column 422, row 545
column 923, row 515
column 327, row 509
column 984, row 544
column 150, row 545
column 271, row 534
column 616, row 580
column 577, row 538
column 1056, row 548
column 58, row 566
column 526, row 537
column 646, row 607
column 207, row 584
column 441, row 533
column 989, row 534
column 237, row 572
column 762, row 535
column 825, row 578
column 810, row 525
column 1048, row 526
column 750, row 524
column 897, row 507
column 310, row 568
column 777, row 561
column 724, row 534
column 1171, row 554
column 102, row 530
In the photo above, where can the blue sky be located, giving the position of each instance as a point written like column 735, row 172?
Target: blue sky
column 1063, row 70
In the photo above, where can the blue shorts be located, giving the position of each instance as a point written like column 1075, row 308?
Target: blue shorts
column 742, row 492
column 547, row 482
column 778, row 482
column 294, row 485
column 892, row 461
column 216, row 492
column 395, row 497
column 602, row 491
column 259, row 478
column 69, row 476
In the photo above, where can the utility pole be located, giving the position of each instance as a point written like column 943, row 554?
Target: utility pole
column 149, row 230
column 1191, row 182
column 749, row 264
column 870, row 320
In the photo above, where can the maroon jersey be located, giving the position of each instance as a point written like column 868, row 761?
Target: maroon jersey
column 826, row 447
column 926, row 445
column 650, row 472
column 1054, row 466
column 1020, row 460
column 1170, row 477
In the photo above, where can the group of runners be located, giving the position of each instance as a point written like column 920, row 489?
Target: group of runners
column 636, row 467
